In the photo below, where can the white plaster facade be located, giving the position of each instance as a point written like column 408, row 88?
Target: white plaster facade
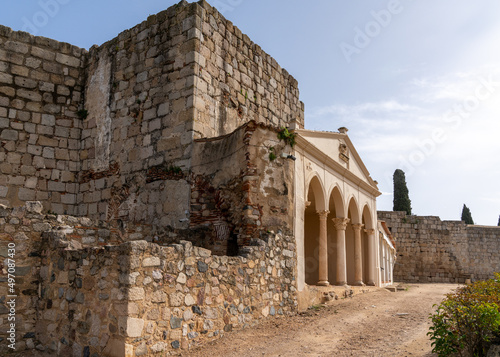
column 387, row 255
column 336, row 228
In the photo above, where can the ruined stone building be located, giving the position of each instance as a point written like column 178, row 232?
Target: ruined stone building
column 161, row 190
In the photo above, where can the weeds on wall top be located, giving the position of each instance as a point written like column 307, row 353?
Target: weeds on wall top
column 272, row 154
column 287, row 136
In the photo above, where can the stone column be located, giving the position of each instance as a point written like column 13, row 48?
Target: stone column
column 358, row 255
column 390, row 266
column 385, row 261
column 323, row 249
column 340, row 226
column 371, row 256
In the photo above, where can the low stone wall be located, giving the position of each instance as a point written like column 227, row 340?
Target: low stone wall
column 136, row 298
column 431, row 250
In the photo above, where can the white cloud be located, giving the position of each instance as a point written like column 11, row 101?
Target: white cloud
column 363, row 109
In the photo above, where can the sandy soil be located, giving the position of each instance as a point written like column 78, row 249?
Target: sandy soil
column 379, row 323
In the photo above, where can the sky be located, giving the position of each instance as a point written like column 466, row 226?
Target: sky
column 417, row 83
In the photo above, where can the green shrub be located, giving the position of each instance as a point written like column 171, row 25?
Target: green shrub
column 466, row 322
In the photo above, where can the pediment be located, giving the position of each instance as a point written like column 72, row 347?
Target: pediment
column 339, row 148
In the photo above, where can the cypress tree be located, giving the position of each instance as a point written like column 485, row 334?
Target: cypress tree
column 499, row 221
column 401, row 198
column 466, row 215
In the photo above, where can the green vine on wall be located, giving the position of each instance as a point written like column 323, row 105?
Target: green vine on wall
column 287, row 136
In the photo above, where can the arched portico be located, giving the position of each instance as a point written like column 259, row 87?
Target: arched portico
column 333, row 188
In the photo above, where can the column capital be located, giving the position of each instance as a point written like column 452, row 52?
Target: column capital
column 340, row 223
column 357, row 226
column 370, row 231
column 323, row 214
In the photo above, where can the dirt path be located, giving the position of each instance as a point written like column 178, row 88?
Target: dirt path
column 376, row 324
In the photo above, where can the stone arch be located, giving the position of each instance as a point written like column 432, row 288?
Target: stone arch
column 315, row 202
column 315, row 189
column 367, row 218
column 353, row 210
column 336, row 203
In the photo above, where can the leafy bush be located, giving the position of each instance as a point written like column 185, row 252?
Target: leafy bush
column 467, row 321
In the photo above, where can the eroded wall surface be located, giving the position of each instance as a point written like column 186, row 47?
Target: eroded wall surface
column 431, row 250
column 137, row 138
column 247, row 193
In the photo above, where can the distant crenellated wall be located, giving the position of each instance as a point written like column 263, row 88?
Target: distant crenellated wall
column 431, row 250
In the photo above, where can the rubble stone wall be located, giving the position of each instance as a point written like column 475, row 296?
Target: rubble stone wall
column 75, row 297
column 431, row 250
column 41, row 90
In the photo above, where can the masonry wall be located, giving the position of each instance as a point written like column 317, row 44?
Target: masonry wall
column 184, row 73
column 139, row 97
column 41, row 90
column 247, row 194
column 26, row 230
column 431, row 250
column 80, row 291
column 238, row 81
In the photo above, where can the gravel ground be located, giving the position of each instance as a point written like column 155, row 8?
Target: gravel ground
column 379, row 323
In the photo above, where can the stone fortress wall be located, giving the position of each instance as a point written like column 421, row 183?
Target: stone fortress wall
column 41, row 90
column 431, row 250
column 87, row 133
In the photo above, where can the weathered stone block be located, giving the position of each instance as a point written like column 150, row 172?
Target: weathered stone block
column 130, row 326
column 9, row 135
column 135, row 294
column 176, row 299
column 68, row 60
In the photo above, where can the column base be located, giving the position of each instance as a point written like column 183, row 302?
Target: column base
column 359, row 283
column 341, row 283
column 323, row 283
column 370, row 283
